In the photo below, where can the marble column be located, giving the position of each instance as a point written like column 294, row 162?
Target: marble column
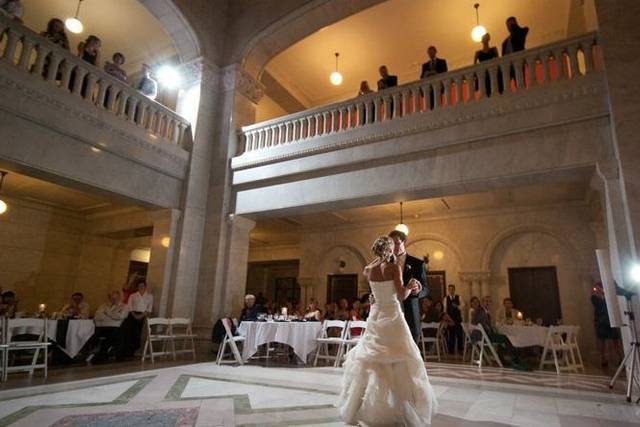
column 619, row 35
column 237, row 256
column 165, row 226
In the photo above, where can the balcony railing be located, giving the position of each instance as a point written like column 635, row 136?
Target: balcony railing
column 512, row 74
column 32, row 54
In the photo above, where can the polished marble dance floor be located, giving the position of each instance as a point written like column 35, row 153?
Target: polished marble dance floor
column 208, row 395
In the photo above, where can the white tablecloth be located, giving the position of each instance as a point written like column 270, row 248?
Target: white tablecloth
column 301, row 336
column 524, row 336
column 79, row 332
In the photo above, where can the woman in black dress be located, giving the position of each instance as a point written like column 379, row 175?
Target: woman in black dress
column 89, row 51
column 604, row 331
column 488, row 53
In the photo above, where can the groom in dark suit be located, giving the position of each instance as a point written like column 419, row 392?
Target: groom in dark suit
column 414, row 276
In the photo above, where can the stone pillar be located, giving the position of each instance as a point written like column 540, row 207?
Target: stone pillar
column 165, row 226
column 619, row 34
column 237, row 256
column 485, row 283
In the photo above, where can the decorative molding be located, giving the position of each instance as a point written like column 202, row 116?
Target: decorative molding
column 56, row 104
column 416, row 123
column 198, row 70
column 474, row 276
column 235, row 78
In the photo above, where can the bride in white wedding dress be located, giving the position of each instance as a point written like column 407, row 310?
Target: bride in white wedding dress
column 385, row 382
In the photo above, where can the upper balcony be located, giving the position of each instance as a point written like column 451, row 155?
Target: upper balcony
column 63, row 117
column 556, row 86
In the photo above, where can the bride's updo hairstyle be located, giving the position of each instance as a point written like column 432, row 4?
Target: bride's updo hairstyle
column 383, row 247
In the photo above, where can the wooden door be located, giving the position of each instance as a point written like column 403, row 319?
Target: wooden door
column 534, row 291
column 437, row 284
column 287, row 290
column 342, row 286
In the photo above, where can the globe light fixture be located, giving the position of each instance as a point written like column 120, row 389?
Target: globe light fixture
column 402, row 227
column 73, row 24
column 336, row 78
column 634, row 273
column 438, row 255
column 478, row 31
column 168, row 76
column 3, row 205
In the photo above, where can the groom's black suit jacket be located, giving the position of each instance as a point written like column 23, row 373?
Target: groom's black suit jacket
column 414, row 268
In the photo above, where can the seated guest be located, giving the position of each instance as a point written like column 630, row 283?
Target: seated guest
column 364, row 88
column 387, row 80
column 140, row 307
column 427, row 314
column 115, row 68
column 9, row 305
column 435, row 65
column 108, row 319
column 77, row 308
column 506, row 314
column 330, row 310
column 517, row 38
column 55, row 33
column 147, row 85
column 344, row 310
column 354, row 314
column 479, row 317
column 486, row 304
column 251, row 309
column 12, row 8
column 365, row 306
column 313, row 312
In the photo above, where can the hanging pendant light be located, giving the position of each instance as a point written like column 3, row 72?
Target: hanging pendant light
column 3, row 205
column 73, row 24
column 402, row 227
column 478, row 31
column 336, row 77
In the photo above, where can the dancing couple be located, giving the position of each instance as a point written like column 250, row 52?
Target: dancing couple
column 385, row 382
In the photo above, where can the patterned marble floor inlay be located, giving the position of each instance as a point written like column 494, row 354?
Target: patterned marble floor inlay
column 180, row 417
column 207, row 395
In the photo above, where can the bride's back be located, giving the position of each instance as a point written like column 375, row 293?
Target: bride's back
column 382, row 272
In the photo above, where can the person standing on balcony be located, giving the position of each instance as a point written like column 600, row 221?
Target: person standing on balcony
column 89, row 50
column 115, row 68
column 12, row 8
column 517, row 38
column 434, row 65
column 488, row 53
column 387, row 80
column 364, row 88
column 147, row 85
column 55, row 33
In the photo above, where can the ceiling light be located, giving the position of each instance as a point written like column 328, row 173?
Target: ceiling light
column 402, row 227
column 635, row 273
column 336, row 77
column 3, row 205
column 73, row 24
column 438, row 255
column 168, row 76
column 478, row 31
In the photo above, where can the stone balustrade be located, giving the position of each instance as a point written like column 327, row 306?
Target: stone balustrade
column 511, row 75
column 34, row 55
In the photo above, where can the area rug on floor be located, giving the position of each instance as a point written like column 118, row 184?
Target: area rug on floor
column 179, row 417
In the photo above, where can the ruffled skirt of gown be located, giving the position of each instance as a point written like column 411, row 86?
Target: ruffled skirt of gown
column 385, row 382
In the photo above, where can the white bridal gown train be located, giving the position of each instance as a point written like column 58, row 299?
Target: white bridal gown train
column 385, row 382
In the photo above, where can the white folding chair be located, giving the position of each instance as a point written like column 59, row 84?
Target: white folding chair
column 429, row 335
column 467, row 341
column 350, row 340
column 35, row 327
column 3, row 347
column 558, row 351
column 442, row 340
column 180, row 329
column 338, row 328
column 230, row 340
column 482, row 348
column 157, row 331
column 575, row 348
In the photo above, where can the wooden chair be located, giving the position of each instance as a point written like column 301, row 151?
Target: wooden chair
column 35, row 327
column 180, row 329
column 559, row 350
column 158, row 331
column 232, row 341
column 326, row 340
column 482, row 348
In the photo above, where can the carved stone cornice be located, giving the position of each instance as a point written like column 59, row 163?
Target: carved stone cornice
column 200, row 69
column 474, row 276
column 235, row 78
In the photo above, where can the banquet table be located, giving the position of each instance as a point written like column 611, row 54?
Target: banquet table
column 301, row 336
column 524, row 336
column 78, row 332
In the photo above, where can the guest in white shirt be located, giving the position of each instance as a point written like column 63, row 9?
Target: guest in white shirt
column 506, row 314
column 108, row 319
column 140, row 307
